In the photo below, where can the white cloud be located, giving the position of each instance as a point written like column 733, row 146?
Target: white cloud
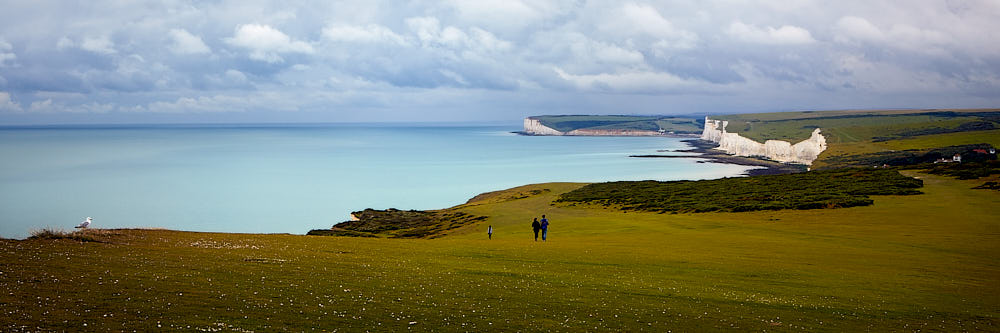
column 485, row 40
column 200, row 104
column 901, row 36
column 95, row 107
column 64, row 43
column 270, row 100
column 635, row 19
column 6, row 53
column 230, row 79
column 454, row 77
column 508, row 15
column 236, row 76
column 853, row 27
column 187, row 43
column 609, row 53
column 427, row 29
column 266, row 43
column 476, row 40
column 7, row 104
column 372, row 33
column 628, row 82
column 100, row 45
column 785, row 35
column 42, row 106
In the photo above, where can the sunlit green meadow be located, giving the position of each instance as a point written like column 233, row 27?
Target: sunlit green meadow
column 924, row 262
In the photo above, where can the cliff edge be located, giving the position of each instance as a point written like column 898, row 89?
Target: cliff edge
column 534, row 127
column 804, row 152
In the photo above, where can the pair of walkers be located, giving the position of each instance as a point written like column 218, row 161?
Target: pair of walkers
column 542, row 225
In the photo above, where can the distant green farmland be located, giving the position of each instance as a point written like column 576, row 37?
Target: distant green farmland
column 680, row 125
column 854, row 126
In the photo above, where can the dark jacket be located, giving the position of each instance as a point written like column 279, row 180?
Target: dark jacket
column 535, row 225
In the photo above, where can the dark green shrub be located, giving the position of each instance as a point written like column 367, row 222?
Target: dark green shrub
column 808, row 190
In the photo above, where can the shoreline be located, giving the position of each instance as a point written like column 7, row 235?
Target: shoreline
column 711, row 155
column 665, row 135
column 708, row 154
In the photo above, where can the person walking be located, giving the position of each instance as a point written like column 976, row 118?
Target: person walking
column 545, row 227
column 489, row 231
column 536, row 227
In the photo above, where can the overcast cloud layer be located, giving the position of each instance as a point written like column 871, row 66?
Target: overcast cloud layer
column 258, row 61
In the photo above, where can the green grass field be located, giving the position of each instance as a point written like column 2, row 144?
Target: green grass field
column 922, row 262
column 849, row 128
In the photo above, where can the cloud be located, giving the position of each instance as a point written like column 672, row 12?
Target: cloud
column 853, row 27
column 186, row 43
column 635, row 20
column 609, row 53
column 472, row 43
column 223, row 103
column 900, row 36
column 266, row 43
column 785, row 35
column 130, row 73
column 217, row 103
column 509, row 16
column 42, row 106
column 7, row 104
column 95, row 107
column 100, row 45
column 224, row 56
column 6, row 53
column 230, row 79
column 371, row 33
column 64, row 43
column 642, row 82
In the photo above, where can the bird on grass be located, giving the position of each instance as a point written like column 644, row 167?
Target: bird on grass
column 85, row 223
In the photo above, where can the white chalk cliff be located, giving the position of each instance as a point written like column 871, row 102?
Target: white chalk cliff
column 804, row 152
column 533, row 126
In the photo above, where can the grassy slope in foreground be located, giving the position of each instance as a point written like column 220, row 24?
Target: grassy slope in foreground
column 924, row 262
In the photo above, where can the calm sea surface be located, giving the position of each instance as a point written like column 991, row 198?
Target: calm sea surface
column 290, row 179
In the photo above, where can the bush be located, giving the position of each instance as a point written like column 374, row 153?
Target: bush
column 964, row 170
column 808, row 190
column 46, row 233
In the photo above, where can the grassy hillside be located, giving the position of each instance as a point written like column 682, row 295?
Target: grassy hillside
column 566, row 123
column 907, row 157
column 925, row 262
column 847, row 127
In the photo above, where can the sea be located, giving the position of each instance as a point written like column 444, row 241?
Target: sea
column 293, row 178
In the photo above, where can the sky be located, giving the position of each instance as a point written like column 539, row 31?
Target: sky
column 246, row 61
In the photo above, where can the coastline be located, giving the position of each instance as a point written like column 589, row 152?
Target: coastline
column 709, row 154
column 665, row 135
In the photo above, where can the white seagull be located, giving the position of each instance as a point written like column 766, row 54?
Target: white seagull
column 85, row 223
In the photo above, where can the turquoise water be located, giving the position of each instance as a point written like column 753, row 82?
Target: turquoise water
column 290, row 179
